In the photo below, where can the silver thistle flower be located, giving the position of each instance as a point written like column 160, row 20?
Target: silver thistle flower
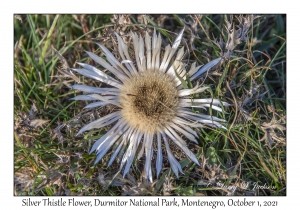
column 153, row 106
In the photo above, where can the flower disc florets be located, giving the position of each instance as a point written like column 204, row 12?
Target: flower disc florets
column 149, row 100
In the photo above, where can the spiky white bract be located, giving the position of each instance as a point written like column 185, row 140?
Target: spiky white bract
column 152, row 105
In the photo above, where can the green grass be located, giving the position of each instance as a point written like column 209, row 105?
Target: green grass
column 47, row 164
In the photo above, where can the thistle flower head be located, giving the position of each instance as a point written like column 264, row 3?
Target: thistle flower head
column 149, row 101
column 152, row 104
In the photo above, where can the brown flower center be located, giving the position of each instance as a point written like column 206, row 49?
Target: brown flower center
column 149, row 100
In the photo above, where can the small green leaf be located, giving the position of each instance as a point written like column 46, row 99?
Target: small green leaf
column 48, row 191
column 211, row 155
